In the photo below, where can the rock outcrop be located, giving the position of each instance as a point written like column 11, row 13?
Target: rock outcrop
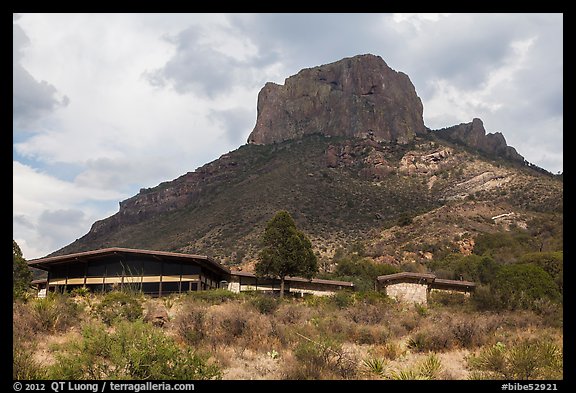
column 474, row 135
column 355, row 97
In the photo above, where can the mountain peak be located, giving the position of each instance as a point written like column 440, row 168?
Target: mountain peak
column 354, row 97
column 474, row 135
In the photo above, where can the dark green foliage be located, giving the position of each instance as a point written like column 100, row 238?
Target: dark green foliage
column 362, row 272
column 471, row 267
column 404, row 219
column 287, row 251
column 21, row 275
column 551, row 262
column 505, row 247
column 135, row 350
column 519, row 285
column 118, row 306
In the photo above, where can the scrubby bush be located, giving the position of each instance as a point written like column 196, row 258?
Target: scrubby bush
column 54, row 313
column 519, row 285
column 213, row 296
column 322, row 360
column 135, row 350
column 265, row 304
column 190, row 324
column 119, row 306
column 24, row 367
column 526, row 360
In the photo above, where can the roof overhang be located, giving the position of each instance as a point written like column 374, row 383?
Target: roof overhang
column 85, row 256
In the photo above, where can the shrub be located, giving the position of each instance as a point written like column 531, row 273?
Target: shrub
column 375, row 365
column 190, row 324
column 24, row 367
column 213, row 296
column 135, row 350
column 528, row 359
column 322, row 360
column 447, row 298
column 342, row 299
column 519, row 285
column 265, row 304
column 80, row 292
column 119, row 306
column 55, row 313
column 431, row 367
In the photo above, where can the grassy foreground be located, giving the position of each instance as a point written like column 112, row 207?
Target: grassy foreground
column 221, row 335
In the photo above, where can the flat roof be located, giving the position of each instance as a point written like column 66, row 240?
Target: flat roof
column 453, row 283
column 429, row 278
column 298, row 279
column 406, row 276
column 44, row 263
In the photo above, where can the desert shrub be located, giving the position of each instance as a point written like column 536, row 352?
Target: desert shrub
column 375, row 366
column 213, row 296
column 288, row 313
column 119, row 306
column 342, row 299
column 551, row 262
column 236, row 325
column 24, row 367
column 484, row 299
column 526, row 360
column 505, row 246
column 361, row 271
column 372, row 297
column 371, row 335
column 519, row 285
column 55, row 313
column 24, row 322
column 447, row 298
column 80, row 292
column 265, row 304
column 189, row 324
column 431, row 367
column 135, row 350
column 551, row 312
column 322, row 360
column 368, row 314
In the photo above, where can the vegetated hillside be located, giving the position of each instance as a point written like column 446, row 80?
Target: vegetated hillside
column 339, row 191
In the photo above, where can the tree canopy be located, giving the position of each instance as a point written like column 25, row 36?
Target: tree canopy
column 286, row 251
column 21, row 274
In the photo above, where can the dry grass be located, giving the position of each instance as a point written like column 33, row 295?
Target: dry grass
column 303, row 340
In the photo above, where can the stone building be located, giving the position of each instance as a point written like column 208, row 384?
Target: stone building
column 415, row 287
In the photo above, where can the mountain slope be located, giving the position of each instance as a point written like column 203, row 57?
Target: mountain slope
column 342, row 185
column 338, row 190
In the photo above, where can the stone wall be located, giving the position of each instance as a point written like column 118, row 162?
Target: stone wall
column 408, row 292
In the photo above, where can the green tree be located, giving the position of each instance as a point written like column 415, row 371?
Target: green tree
column 519, row 285
column 287, row 251
column 21, row 275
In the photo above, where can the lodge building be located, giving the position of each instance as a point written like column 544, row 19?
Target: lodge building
column 159, row 273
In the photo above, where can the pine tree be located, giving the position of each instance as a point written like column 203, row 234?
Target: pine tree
column 287, row 251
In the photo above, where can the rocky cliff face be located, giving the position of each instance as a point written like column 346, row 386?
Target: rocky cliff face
column 355, row 97
column 474, row 135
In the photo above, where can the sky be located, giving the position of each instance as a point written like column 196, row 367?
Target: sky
column 107, row 104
